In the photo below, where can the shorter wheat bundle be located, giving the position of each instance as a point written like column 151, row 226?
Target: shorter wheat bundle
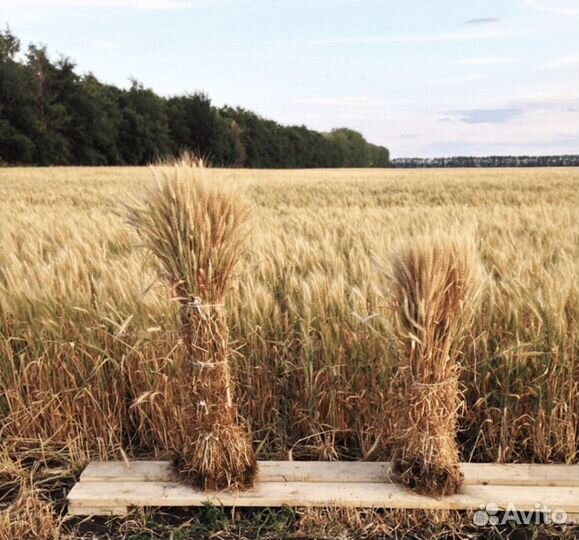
column 436, row 287
column 196, row 229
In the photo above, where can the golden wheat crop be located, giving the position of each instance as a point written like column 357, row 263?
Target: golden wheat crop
column 85, row 326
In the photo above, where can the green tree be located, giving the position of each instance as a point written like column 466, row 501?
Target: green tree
column 144, row 127
column 353, row 147
column 17, row 122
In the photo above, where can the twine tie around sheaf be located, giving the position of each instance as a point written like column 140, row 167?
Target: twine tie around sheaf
column 197, row 306
column 433, row 385
column 209, row 364
column 202, row 405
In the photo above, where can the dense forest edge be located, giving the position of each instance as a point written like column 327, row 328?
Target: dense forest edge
column 51, row 115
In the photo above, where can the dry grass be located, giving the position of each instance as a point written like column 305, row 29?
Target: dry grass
column 366, row 523
column 86, row 329
column 196, row 228
column 437, row 283
column 29, row 517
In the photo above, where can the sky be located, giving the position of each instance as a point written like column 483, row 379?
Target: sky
column 423, row 77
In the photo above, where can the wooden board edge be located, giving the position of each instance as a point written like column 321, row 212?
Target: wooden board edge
column 79, row 509
column 555, row 475
column 362, row 495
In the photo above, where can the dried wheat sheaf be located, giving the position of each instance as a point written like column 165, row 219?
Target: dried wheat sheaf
column 196, row 229
column 436, row 286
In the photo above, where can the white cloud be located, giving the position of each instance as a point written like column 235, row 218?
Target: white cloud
column 422, row 38
column 469, row 77
column 483, row 20
column 551, row 96
column 565, row 61
column 535, row 132
column 103, row 45
column 488, row 61
column 343, row 101
column 559, row 98
column 132, row 4
column 561, row 7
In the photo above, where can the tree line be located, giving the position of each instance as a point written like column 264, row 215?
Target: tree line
column 51, row 115
column 565, row 160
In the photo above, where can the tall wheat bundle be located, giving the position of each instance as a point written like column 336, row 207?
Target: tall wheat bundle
column 436, row 286
column 196, row 229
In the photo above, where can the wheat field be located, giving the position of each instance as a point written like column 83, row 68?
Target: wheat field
column 87, row 326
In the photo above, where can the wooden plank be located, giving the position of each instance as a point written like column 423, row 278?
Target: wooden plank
column 321, row 494
column 133, row 471
column 269, row 471
column 344, row 472
column 521, row 474
column 84, row 510
column 323, row 471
